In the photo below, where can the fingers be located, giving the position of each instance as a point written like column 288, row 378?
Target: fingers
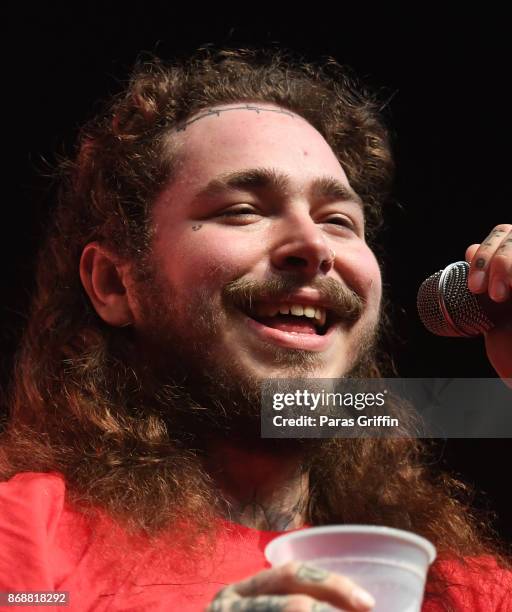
column 294, row 587
column 491, row 264
column 269, row 603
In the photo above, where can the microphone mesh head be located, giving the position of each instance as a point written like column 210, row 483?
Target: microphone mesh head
column 447, row 307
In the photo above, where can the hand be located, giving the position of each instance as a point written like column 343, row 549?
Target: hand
column 491, row 272
column 293, row 587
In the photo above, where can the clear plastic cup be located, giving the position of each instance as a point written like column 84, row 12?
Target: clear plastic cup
column 390, row 564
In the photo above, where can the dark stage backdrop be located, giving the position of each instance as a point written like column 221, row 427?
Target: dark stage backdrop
column 449, row 109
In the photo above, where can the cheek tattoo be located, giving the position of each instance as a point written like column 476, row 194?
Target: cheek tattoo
column 196, row 227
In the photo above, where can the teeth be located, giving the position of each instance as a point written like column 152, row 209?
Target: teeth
column 323, row 317
column 309, row 312
column 271, row 310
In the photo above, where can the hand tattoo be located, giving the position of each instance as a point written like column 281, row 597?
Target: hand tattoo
column 310, row 573
column 264, row 603
column 506, row 245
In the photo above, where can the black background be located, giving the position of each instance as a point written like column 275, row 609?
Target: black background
column 447, row 80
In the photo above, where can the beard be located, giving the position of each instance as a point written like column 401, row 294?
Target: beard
column 200, row 390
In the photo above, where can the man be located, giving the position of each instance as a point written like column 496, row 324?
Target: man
column 214, row 231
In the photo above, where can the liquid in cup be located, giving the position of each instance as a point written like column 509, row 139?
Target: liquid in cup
column 391, row 564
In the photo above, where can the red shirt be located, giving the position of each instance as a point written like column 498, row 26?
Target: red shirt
column 47, row 546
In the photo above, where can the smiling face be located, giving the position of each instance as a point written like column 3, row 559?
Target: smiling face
column 260, row 266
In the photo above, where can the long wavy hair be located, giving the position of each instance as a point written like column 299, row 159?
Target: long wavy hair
column 76, row 403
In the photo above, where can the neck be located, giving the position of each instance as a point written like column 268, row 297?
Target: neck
column 262, row 487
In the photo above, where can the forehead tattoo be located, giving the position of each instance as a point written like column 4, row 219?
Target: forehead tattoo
column 181, row 127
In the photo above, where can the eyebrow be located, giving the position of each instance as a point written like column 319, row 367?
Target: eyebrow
column 259, row 179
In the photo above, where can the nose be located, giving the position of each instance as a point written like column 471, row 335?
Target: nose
column 302, row 248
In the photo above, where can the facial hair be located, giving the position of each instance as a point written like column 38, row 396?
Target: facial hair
column 202, row 390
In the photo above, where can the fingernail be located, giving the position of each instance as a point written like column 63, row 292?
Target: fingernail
column 499, row 290
column 476, row 280
column 362, row 598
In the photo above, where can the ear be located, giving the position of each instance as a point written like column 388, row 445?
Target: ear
column 106, row 281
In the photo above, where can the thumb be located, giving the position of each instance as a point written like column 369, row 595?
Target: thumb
column 470, row 252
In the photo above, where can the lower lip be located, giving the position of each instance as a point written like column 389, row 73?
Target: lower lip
column 293, row 340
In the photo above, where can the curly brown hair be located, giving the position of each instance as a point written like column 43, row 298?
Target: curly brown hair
column 76, row 404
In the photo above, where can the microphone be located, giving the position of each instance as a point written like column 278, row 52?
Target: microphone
column 448, row 308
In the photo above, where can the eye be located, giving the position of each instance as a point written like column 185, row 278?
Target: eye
column 241, row 214
column 341, row 221
column 241, row 209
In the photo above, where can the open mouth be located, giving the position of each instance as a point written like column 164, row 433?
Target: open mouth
column 293, row 318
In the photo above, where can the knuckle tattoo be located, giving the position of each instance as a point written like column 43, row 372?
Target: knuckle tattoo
column 480, row 263
column 502, row 228
column 310, row 573
column 320, row 606
column 265, row 603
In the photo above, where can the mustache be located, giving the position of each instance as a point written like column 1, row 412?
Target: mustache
column 341, row 300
